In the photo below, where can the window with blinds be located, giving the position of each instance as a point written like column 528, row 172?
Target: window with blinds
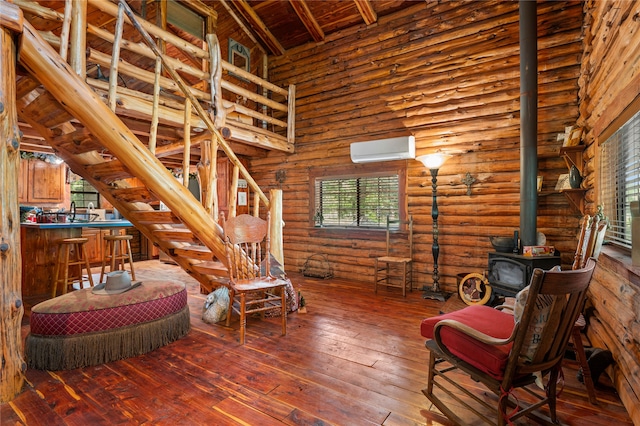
column 356, row 202
column 83, row 193
column 620, row 179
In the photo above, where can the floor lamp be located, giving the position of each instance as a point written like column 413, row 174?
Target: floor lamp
column 433, row 162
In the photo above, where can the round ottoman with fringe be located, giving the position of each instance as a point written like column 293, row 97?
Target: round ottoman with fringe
column 81, row 328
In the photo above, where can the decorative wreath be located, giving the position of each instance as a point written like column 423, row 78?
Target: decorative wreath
column 474, row 289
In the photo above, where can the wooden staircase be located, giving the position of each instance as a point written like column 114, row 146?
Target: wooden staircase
column 76, row 122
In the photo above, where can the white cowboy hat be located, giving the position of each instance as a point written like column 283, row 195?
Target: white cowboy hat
column 117, row 282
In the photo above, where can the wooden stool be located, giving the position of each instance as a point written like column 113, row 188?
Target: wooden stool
column 72, row 253
column 117, row 249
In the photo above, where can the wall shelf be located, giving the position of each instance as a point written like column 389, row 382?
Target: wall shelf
column 573, row 157
column 575, row 197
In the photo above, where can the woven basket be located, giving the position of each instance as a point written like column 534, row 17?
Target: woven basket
column 317, row 266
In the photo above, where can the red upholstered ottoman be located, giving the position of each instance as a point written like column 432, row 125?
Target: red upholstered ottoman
column 80, row 328
column 490, row 321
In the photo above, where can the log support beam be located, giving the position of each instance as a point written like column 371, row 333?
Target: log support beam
column 12, row 365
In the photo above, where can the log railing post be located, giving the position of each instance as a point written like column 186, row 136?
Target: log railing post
column 256, row 204
column 208, row 177
column 115, row 57
column 186, row 154
column 153, row 133
column 78, row 58
column 215, row 72
column 233, row 192
column 291, row 114
column 64, row 32
column 277, row 249
column 13, row 367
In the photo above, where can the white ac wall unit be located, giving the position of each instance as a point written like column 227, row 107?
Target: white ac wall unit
column 400, row 148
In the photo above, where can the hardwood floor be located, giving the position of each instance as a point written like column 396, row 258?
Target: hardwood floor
column 355, row 358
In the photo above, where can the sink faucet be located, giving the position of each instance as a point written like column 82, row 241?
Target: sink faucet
column 72, row 209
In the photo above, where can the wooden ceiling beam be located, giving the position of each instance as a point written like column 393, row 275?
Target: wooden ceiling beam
column 258, row 27
column 366, row 11
column 307, row 18
column 242, row 25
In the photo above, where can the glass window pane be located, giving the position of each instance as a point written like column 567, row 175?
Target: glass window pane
column 358, row 202
column 620, row 179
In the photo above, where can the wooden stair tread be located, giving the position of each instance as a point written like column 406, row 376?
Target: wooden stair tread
column 136, row 194
column 194, row 252
column 108, row 171
column 47, row 111
column 25, row 86
column 211, row 267
column 154, row 217
column 175, row 234
column 77, row 142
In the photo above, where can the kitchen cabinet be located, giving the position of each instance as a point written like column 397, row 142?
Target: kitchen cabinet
column 41, row 183
column 95, row 243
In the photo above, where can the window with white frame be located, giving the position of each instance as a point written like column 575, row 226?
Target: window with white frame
column 620, row 179
column 361, row 199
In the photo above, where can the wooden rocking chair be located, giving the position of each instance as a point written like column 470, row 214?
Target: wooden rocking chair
column 252, row 289
column 590, row 240
column 505, row 352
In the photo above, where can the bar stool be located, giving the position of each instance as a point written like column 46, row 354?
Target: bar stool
column 72, row 256
column 117, row 249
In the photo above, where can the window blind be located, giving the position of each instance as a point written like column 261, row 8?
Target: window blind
column 356, row 202
column 620, row 179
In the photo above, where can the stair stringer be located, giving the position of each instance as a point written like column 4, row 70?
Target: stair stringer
column 106, row 129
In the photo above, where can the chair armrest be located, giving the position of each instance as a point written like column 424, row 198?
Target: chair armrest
column 504, row 308
column 470, row 331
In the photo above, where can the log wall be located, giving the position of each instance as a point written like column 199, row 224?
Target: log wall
column 609, row 83
column 449, row 74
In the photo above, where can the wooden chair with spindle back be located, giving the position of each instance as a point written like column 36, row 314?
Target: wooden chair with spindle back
column 252, row 289
column 395, row 268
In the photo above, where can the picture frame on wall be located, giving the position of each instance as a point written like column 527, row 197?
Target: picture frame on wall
column 239, row 55
column 563, row 182
column 573, row 137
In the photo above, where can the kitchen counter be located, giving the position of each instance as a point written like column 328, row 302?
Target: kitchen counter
column 121, row 223
column 39, row 251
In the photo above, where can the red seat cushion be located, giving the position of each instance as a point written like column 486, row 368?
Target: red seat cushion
column 488, row 358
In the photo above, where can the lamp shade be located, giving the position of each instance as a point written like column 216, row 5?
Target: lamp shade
column 433, row 161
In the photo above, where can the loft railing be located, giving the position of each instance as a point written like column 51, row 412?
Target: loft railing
column 166, row 91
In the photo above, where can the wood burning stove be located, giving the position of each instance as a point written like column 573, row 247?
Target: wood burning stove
column 509, row 273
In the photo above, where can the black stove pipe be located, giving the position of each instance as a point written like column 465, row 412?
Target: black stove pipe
column 528, row 122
